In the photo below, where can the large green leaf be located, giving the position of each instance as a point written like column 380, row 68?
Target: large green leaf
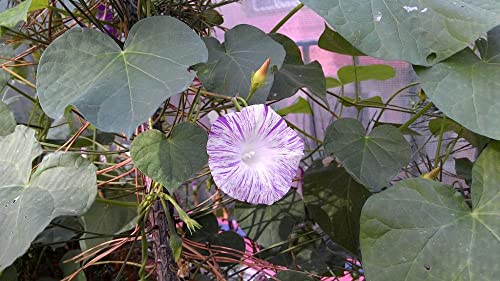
column 465, row 88
column 268, row 225
column 372, row 159
column 7, row 121
column 350, row 73
column 107, row 219
column 231, row 64
column 63, row 185
column 424, row 230
column 331, row 41
column 171, row 161
column 334, row 200
column 13, row 16
column 6, row 51
column 294, row 74
column 422, row 32
column 115, row 89
column 452, row 126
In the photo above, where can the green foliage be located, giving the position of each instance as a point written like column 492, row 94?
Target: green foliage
column 7, row 121
column 405, row 230
column 331, row 40
column 452, row 126
column 6, row 51
column 334, row 201
column 62, row 185
column 69, row 267
column 301, row 106
column 231, row 64
column 173, row 160
column 373, row 159
column 290, row 275
column 11, row 17
column 464, row 87
column 151, row 68
column 349, row 74
column 417, row 32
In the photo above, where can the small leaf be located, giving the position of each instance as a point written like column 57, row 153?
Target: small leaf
column 11, row 17
column 7, row 121
column 231, row 64
column 452, row 126
column 349, row 74
column 171, row 161
column 463, row 168
column 301, row 106
column 115, row 89
column 332, row 82
column 465, row 87
column 420, row 32
column 63, row 185
column 329, row 190
column 406, row 229
column 331, row 41
column 175, row 243
column 375, row 101
column 268, row 225
column 373, row 159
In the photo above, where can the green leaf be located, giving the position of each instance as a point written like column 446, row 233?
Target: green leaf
column 362, row 103
column 6, row 51
column 489, row 48
column 231, row 64
column 406, row 131
column 63, row 185
column 301, row 106
column 319, row 258
column 452, row 126
column 268, row 225
column 420, row 32
column 107, row 219
column 13, row 16
column 331, row 41
column 293, row 53
column 9, row 274
column 61, row 229
column 406, row 230
column 70, row 267
column 349, row 74
column 290, row 275
column 115, row 89
column 7, row 121
column 329, row 190
column 173, row 160
column 463, row 169
column 290, row 78
column 332, row 82
column 465, row 87
column 175, row 243
column 373, row 159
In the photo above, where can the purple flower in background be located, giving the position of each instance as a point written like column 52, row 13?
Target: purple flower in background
column 254, row 155
column 105, row 13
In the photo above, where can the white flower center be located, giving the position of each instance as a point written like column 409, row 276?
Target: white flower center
column 247, row 157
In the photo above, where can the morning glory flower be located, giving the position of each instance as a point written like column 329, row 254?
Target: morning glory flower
column 253, row 154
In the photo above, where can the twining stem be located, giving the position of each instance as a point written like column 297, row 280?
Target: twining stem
column 116, row 203
column 286, row 18
column 415, row 117
column 440, row 142
column 394, row 96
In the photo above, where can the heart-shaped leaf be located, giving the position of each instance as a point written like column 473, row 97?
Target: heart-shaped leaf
column 465, row 88
column 63, row 185
column 350, row 73
column 115, row 89
column 231, row 64
column 171, row 161
column 268, row 225
column 340, row 198
column 406, row 230
column 420, row 32
column 374, row 159
column 7, row 121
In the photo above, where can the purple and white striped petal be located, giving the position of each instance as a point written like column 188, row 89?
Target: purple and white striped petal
column 254, row 155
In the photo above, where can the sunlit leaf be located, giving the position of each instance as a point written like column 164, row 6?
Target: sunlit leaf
column 13, row 16
column 115, row 89
column 420, row 32
column 332, row 82
column 301, row 106
column 173, row 160
column 231, row 64
column 372, row 159
column 349, row 74
column 406, row 230
column 62, row 185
